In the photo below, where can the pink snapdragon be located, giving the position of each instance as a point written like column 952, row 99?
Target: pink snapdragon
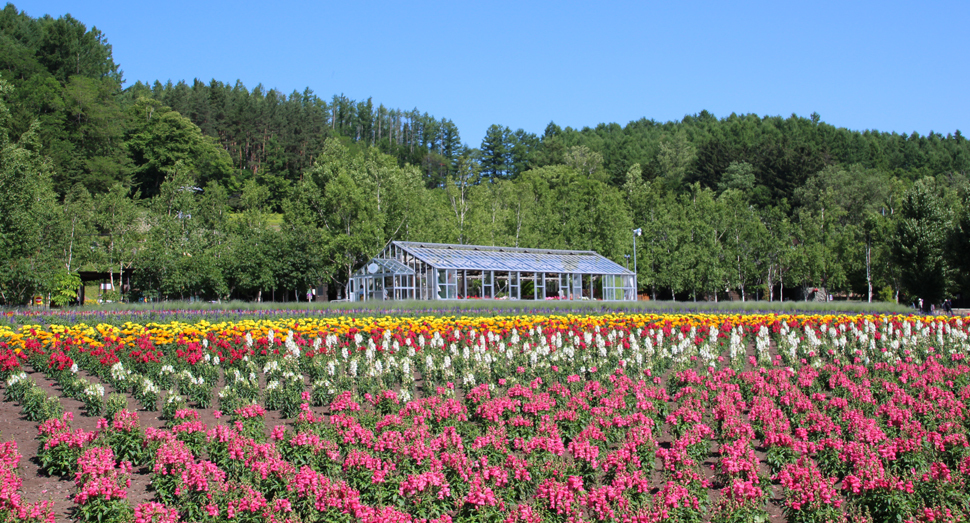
column 806, row 486
column 433, row 482
column 99, row 477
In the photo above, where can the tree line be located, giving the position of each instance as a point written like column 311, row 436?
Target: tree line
column 218, row 191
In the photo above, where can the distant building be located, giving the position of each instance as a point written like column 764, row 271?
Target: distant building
column 435, row 271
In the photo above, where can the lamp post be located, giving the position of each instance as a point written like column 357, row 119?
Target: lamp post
column 636, row 232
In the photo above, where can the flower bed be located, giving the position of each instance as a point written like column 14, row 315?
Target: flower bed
column 600, row 418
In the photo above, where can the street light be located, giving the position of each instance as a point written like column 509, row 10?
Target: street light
column 636, row 232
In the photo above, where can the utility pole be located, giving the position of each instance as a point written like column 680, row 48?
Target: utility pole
column 636, row 232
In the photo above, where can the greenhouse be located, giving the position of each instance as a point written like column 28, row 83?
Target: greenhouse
column 434, row 271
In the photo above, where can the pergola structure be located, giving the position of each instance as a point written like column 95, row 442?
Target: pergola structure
column 123, row 280
column 435, row 271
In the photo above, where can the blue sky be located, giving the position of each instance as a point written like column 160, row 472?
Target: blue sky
column 890, row 66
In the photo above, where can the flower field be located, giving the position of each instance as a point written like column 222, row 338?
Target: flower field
column 628, row 417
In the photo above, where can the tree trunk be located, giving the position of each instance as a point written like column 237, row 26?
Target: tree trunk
column 70, row 248
column 771, row 287
column 869, row 269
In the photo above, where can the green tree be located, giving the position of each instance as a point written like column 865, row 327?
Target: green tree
column 94, row 124
column 181, row 257
column 159, row 138
column 495, row 153
column 643, row 201
column 29, row 215
column 703, row 248
column 960, row 245
column 671, row 236
column 68, row 49
column 919, row 246
column 523, row 151
column 458, row 190
column 674, row 159
column 343, row 210
column 744, row 235
column 303, row 251
column 250, row 261
column 848, row 200
column 77, row 228
column 117, row 219
column 583, row 160
column 64, row 289
column 739, row 176
column 779, row 250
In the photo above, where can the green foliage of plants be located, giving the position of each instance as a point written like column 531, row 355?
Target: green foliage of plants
column 114, row 404
column 100, row 510
column 65, row 289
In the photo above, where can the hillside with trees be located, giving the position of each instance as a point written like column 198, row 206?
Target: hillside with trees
column 218, row 191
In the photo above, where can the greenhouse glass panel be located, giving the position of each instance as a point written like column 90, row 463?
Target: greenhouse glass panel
column 443, row 271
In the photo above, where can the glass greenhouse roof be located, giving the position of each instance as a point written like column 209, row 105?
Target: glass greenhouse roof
column 487, row 258
column 384, row 266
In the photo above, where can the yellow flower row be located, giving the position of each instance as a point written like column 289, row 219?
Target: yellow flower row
column 162, row 334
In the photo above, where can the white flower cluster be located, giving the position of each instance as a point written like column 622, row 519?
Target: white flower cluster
column 762, row 344
column 185, row 377
column 869, row 342
column 710, row 349
column 119, row 373
column 271, row 367
column 326, row 386
column 94, row 390
column 147, row 386
column 290, row 376
column 292, row 350
column 14, row 379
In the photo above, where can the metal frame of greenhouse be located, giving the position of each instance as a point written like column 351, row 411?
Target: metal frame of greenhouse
column 435, row 271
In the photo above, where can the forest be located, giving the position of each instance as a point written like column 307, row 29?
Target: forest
column 217, row 191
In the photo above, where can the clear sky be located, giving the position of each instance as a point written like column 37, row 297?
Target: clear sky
column 886, row 65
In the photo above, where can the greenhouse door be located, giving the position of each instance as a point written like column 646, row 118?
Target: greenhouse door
column 488, row 282
column 513, row 285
